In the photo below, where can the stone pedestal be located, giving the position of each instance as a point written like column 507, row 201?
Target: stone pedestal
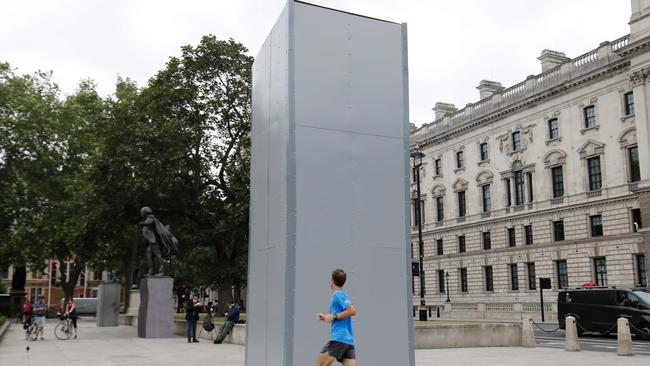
column 156, row 313
column 108, row 305
column 134, row 303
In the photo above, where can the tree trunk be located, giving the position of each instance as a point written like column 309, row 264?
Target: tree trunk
column 225, row 296
column 68, row 284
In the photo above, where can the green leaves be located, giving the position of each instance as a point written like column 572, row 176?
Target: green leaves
column 75, row 170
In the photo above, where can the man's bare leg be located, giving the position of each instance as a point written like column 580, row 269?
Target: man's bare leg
column 349, row 362
column 324, row 359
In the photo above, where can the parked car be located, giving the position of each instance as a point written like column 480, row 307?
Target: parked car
column 84, row 305
column 597, row 309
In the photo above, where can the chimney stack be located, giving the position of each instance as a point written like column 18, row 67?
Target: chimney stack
column 443, row 109
column 551, row 59
column 487, row 88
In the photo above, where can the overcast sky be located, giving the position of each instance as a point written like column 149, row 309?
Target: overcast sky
column 453, row 44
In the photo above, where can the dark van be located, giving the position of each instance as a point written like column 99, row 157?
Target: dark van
column 597, row 309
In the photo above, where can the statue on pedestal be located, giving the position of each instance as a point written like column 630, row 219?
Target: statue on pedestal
column 160, row 242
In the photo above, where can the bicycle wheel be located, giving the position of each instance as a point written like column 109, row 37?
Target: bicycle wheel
column 30, row 333
column 61, row 332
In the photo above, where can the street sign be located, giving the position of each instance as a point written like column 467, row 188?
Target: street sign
column 545, row 283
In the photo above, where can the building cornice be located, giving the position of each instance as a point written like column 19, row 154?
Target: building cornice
column 609, row 58
column 532, row 100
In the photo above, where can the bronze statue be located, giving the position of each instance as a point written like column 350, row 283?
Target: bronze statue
column 160, row 242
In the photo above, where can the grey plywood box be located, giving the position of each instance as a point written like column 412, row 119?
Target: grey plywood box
column 329, row 186
column 108, row 305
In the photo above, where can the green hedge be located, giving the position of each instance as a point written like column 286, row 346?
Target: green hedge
column 2, row 320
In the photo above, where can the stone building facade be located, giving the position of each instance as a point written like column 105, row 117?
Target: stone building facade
column 548, row 178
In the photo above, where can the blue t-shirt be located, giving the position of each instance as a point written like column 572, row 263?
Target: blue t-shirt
column 341, row 330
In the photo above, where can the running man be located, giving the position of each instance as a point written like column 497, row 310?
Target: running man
column 341, row 344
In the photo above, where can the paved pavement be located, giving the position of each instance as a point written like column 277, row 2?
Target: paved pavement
column 588, row 342
column 120, row 347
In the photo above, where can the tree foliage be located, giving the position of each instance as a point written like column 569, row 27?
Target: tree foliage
column 75, row 170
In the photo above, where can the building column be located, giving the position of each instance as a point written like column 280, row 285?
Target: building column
column 641, row 104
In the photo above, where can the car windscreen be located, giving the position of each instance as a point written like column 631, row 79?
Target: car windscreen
column 644, row 296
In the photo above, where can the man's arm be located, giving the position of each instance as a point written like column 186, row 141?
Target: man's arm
column 350, row 311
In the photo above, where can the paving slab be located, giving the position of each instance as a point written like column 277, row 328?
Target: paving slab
column 120, row 346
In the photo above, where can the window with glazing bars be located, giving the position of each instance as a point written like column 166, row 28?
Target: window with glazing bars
column 595, row 179
column 487, row 241
column 558, row 230
column 629, row 103
column 438, row 167
column 633, row 159
column 461, row 244
column 512, row 239
column 532, row 282
column 558, row 181
column 553, row 129
column 642, row 275
column 460, row 159
column 514, row 277
column 529, row 178
column 528, row 234
column 439, row 247
column 484, row 151
column 463, row 280
column 562, row 274
column 596, row 225
column 636, row 218
column 590, row 116
column 516, row 141
column 461, row 204
column 600, row 269
column 441, row 281
column 489, row 281
column 519, row 188
column 440, row 208
column 487, row 198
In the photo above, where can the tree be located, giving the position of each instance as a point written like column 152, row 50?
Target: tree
column 45, row 144
column 200, row 105
column 75, row 171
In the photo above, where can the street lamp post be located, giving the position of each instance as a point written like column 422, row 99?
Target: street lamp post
column 447, row 287
column 417, row 156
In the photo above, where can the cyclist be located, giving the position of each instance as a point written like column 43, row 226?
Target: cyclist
column 71, row 312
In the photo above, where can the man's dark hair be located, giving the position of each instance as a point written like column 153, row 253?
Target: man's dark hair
column 339, row 277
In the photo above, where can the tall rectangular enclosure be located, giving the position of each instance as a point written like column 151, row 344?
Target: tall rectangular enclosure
column 329, row 179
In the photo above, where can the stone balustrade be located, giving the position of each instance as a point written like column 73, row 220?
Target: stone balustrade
column 575, row 68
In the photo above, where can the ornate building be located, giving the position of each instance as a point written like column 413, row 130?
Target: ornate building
column 548, row 178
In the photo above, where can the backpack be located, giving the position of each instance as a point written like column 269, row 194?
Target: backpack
column 208, row 325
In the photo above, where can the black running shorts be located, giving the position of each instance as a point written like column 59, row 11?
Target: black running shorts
column 339, row 350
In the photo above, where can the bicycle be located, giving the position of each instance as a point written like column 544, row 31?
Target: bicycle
column 30, row 331
column 63, row 330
